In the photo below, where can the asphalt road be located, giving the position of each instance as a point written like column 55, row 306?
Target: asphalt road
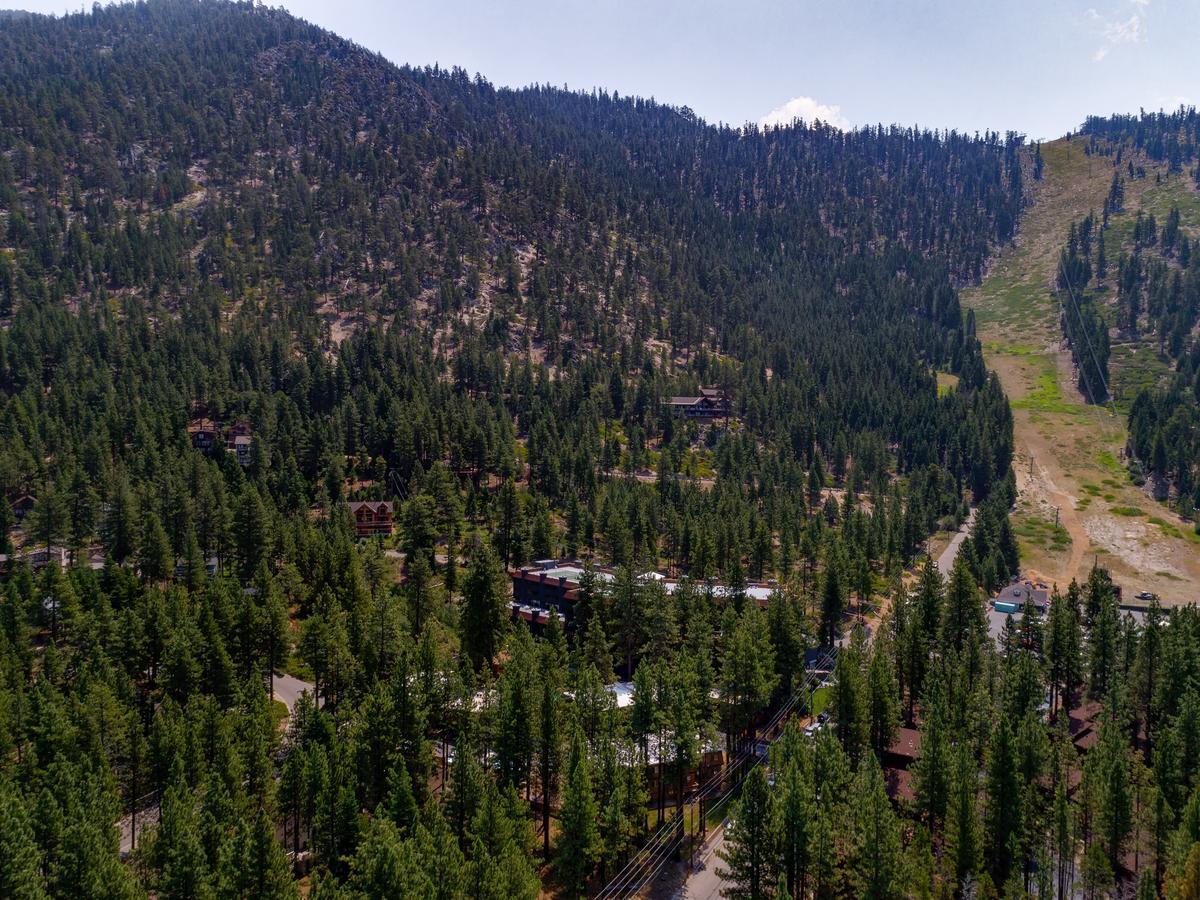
column 288, row 689
column 945, row 562
column 706, row 884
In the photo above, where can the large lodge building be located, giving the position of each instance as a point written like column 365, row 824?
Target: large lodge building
column 711, row 404
column 549, row 587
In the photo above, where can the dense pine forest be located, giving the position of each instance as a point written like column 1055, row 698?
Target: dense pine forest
column 220, row 224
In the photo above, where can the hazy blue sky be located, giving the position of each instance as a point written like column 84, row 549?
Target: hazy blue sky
column 1037, row 66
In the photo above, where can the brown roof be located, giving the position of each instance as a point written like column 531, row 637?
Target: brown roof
column 907, row 744
column 374, row 505
column 900, row 784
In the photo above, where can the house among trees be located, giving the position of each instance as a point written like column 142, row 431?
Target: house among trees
column 40, row 557
column 22, row 504
column 203, row 434
column 1015, row 597
column 239, row 446
column 710, row 404
column 206, row 435
column 371, row 517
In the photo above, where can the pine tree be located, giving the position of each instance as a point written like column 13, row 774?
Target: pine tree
column 483, row 609
column 749, row 850
column 748, row 674
column 579, row 846
column 51, row 517
column 1004, row 814
column 962, row 616
column 20, row 856
column 883, row 700
column 848, row 705
column 549, row 749
column 386, row 865
column 794, row 825
column 401, row 805
column 257, row 866
column 962, row 826
column 878, row 870
column 252, row 530
column 155, row 559
column 833, row 600
column 934, row 769
column 178, row 853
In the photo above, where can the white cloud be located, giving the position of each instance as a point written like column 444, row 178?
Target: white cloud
column 809, row 110
column 1116, row 30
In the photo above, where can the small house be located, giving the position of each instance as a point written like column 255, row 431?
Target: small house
column 1014, row 598
column 40, row 557
column 203, row 434
column 239, row 446
column 22, row 505
column 371, row 517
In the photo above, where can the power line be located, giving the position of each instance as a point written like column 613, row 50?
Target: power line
column 658, row 849
column 1086, row 337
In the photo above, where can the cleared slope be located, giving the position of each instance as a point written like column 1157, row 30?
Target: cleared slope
column 1068, row 453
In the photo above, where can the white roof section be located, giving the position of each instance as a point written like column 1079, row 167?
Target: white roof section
column 622, row 691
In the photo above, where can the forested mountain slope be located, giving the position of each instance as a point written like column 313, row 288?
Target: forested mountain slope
column 1106, row 242
column 409, row 285
column 177, row 169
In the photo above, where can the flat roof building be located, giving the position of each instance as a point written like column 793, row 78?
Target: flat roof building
column 554, row 585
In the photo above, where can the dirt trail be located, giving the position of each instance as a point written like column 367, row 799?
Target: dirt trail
column 1068, row 453
column 1036, row 480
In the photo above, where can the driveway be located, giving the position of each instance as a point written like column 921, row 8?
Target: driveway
column 945, row 562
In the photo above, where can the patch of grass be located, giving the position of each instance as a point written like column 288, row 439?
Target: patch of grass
column 1035, row 531
column 946, row 382
column 1130, row 511
column 1136, row 367
column 1011, row 349
column 1172, row 530
column 820, row 700
column 1109, row 461
column 1046, row 395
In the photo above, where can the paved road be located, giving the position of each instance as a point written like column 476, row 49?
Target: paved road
column 706, row 884
column 945, row 562
column 288, row 689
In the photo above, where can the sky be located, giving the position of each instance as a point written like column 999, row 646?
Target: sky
column 1034, row 66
